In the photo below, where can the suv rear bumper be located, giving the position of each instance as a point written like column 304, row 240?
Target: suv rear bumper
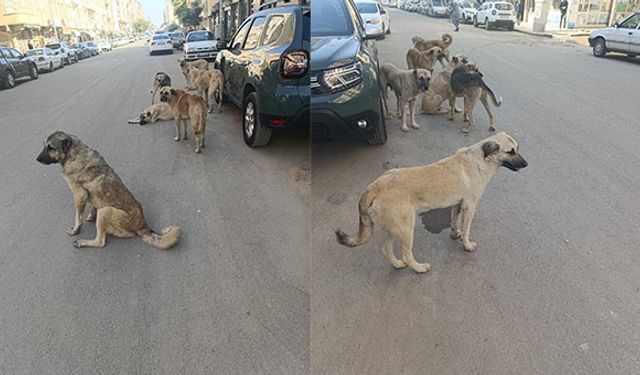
column 502, row 22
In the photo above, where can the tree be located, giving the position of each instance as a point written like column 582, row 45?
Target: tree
column 141, row 25
column 172, row 27
column 188, row 16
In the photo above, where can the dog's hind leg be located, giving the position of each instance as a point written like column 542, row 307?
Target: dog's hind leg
column 80, row 198
column 455, row 222
column 487, row 107
column 178, row 123
column 387, row 251
column 452, row 107
column 468, row 114
column 185, row 129
column 468, row 210
column 401, row 227
column 103, row 215
column 91, row 216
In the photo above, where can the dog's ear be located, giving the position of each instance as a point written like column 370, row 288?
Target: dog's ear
column 415, row 73
column 489, row 148
column 455, row 59
column 173, row 92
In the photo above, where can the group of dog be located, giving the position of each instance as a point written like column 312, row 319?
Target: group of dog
column 182, row 106
column 92, row 181
column 458, row 78
column 456, row 182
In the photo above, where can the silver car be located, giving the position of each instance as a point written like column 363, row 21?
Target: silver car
column 374, row 14
column 623, row 37
column 45, row 59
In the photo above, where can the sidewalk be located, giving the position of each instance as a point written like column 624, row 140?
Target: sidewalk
column 578, row 36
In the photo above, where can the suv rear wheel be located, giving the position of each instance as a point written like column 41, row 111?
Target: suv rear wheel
column 33, row 71
column 380, row 133
column 255, row 134
column 10, row 82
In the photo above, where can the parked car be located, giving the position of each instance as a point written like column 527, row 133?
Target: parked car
column 66, row 53
column 104, row 46
column 496, row 14
column 177, row 39
column 345, row 91
column 437, row 8
column 623, row 37
column 160, row 43
column 93, row 47
column 266, row 70
column 374, row 13
column 468, row 10
column 200, row 45
column 45, row 59
column 81, row 51
column 14, row 65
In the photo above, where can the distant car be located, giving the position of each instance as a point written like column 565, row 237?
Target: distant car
column 45, row 59
column 14, row 66
column 93, row 47
column 623, row 37
column 437, row 8
column 160, row 43
column 105, row 46
column 81, row 51
column 496, row 14
column 373, row 13
column 177, row 39
column 66, row 52
column 200, row 45
column 468, row 10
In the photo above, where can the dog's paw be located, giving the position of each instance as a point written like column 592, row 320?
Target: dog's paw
column 492, row 129
column 77, row 244
column 176, row 139
column 185, row 138
column 471, row 246
column 415, row 125
column 404, row 128
column 398, row 264
column 455, row 234
column 457, row 110
column 422, row 267
column 198, row 151
column 73, row 231
column 465, row 131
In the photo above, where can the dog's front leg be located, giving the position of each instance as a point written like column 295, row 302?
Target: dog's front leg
column 178, row 119
column 455, row 222
column 80, row 198
column 487, row 107
column 101, row 231
column 403, row 116
column 185, row 128
column 452, row 107
column 468, row 211
column 412, row 108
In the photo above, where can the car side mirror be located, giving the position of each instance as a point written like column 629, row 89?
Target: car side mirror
column 373, row 32
column 616, row 25
column 221, row 45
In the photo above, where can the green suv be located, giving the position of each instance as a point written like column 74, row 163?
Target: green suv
column 266, row 70
column 345, row 92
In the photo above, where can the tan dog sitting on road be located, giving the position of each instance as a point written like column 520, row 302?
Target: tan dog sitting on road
column 458, row 181
column 91, row 180
column 417, row 59
column 424, row 44
column 210, row 85
column 185, row 107
column 185, row 65
column 440, row 89
column 407, row 85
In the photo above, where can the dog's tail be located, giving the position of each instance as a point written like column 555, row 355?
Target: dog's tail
column 496, row 102
column 164, row 240
column 366, row 224
column 447, row 39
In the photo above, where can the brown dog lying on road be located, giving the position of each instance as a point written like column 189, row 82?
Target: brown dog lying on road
column 91, row 180
column 458, row 181
column 185, row 107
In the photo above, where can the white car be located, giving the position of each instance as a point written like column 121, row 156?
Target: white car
column 67, row 54
column 200, row 44
column 468, row 11
column 623, row 37
column 437, row 8
column 374, row 14
column 45, row 59
column 104, row 46
column 160, row 43
column 496, row 14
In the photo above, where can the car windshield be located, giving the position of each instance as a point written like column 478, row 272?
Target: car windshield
column 436, row 3
column 158, row 37
column 34, row 52
column 467, row 5
column 90, row 44
column 330, row 18
column 53, row 46
column 177, row 35
column 367, row 8
column 199, row 37
column 503, row 6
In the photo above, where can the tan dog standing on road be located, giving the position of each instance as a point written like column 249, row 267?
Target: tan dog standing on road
column 91, row 180
column 407, row 85
column 210, row 85
column 201, row 64
column 185, row 107
column 417, row 59
column 458, row 181
column 424, row 44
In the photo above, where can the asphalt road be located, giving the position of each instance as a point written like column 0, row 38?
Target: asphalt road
column 553, row 287
column 231, row 298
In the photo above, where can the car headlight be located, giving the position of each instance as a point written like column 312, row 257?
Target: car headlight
column 342, row 78
column 374, row 21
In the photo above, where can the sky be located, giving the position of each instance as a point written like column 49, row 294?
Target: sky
column 153, row 10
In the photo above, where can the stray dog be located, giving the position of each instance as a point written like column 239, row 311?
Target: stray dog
column 201, row 64
column 424, row 44
column 425, row 59
column 407, row 85
column 160, row 80
column 458, row 181
column 210, row 85
column 185, row 107
column 153, row 113
column 92, row 180
column 467, row 82
column 440, row 88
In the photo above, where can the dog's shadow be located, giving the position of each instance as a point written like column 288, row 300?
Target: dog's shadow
column 435, row 221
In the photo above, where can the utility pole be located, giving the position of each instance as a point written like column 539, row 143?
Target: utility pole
column 53, row 24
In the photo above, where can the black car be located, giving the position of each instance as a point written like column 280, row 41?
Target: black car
column 14, row 65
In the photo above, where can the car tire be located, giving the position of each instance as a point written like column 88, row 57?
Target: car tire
column 51, row 67
column 486, row 24
column 380, row 133
column 10, row 82
column 254, row 133
column 599, row 48
column 475, row 21
column 389, row 29
column 631, row 55
column 33, row 71
column 511, row 27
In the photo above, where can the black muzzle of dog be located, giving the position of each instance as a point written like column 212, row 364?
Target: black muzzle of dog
column 45, row 158
column 515, row 163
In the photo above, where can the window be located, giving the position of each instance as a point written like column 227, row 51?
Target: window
column 367, row 8
column 254, row 34
column 34, row 52
column 630, row 23
column 200, row 36
column 6, row 53
column 238, row 40
column 330, row 18
column 273, row 29
column 504, row 7
column 15, row 53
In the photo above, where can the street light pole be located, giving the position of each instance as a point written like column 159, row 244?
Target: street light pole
column 53, row 24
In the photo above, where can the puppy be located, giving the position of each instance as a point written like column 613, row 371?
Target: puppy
column 424, row 44
column 153, row 113
column 160, row 80
column 210, row 85
column 458, row 181
column 425, row 59
column 185, row 107
column 407, row 85
column 467, row 82
column 201, row 64
column 91, row 180
column 440, row 88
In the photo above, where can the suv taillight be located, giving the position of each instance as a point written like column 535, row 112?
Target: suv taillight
column 294, row 64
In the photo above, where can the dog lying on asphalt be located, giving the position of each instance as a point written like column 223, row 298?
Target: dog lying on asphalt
column 407, row 85
column 201, row 64
column 210, row 85
column 424, row 44
column 458, row 181
column 417, row 59
column 91, row 180
column 440, row 88
column 185, row 107
column 153, row 113
column 160, row 80
column 467, row 82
